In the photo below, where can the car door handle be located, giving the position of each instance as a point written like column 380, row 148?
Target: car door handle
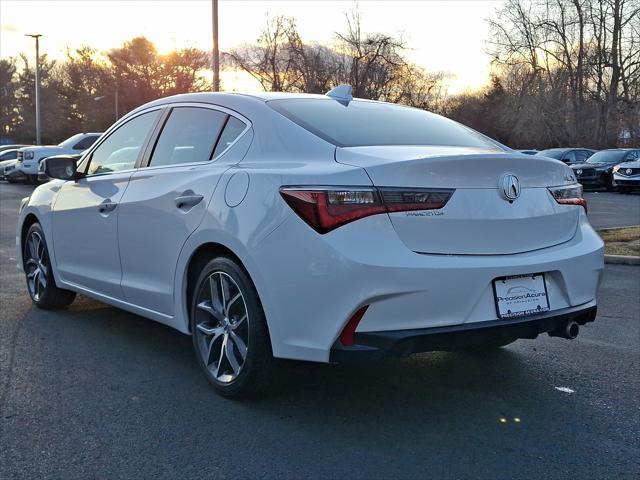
column 187, row 201
column 107, row 206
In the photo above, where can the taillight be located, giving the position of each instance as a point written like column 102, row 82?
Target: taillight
column 569, row 195
column 327, row 208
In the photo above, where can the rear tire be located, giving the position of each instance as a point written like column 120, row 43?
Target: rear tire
column 41, row 283
column 229, row 331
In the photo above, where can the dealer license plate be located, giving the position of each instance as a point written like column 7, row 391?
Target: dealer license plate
column 521, row 295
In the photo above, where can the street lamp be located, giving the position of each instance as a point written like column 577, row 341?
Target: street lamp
column 216, row 50
column 97, row 99
column 37, row 37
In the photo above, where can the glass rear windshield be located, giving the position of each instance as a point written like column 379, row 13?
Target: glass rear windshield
column 363, row 123
column 557, row 154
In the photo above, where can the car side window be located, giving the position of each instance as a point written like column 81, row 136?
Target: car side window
column 231, row 132
column 189, row 135
column 85, row 143
column 120, row 150
column 569, row 157
column 581, row 155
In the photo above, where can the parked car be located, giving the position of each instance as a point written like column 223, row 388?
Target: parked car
column 7, row 162
column 626, row 176
column 597, row 171
column 568, row 155
column 29, row 158
column 528, row 152
column 13, row 175
column 11, row 147
column 312, row 227
column 7, row 165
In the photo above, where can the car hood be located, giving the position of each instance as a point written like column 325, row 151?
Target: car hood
column 632, row 164
column 40, row 147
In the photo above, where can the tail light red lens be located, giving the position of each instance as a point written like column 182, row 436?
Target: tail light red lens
column 569, row 195
column 327, row 208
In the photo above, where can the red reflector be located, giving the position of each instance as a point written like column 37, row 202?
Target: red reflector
column 347, row 337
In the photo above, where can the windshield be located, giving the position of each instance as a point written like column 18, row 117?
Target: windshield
column 363, row 123
column 607, row 156
column 553, row 153
column 71, row 141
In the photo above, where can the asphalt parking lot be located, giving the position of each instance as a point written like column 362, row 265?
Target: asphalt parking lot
column 97, row 392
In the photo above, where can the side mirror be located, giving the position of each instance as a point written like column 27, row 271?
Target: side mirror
column 61, row 167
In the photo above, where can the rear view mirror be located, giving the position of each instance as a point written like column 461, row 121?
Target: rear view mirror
column 61, row 167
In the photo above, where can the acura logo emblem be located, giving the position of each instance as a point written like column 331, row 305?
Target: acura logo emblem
column 579, row 172
column 510, row 186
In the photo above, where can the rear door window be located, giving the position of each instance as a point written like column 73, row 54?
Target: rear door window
column 189, row 135
column 231, row 132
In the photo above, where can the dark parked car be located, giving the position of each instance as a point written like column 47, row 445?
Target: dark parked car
column 568, row 155
column 597, row 171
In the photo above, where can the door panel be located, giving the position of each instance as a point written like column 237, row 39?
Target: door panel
column 160, row 209
column 85, row 236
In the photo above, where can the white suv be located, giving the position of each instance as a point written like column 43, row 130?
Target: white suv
column 29, row 158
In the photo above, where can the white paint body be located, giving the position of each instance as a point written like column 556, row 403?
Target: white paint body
column 413, row 271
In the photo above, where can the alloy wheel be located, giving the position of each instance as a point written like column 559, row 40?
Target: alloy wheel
column 36, row 266
column 221, row 326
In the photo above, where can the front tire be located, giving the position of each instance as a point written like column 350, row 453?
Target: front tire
column 229, row 330
column 41, row 284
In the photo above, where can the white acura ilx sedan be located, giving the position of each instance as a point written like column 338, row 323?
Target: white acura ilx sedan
column 310, row 227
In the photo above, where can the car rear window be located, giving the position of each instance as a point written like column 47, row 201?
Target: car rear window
column 363, row 123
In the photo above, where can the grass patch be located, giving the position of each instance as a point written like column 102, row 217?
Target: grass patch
column 622, row 241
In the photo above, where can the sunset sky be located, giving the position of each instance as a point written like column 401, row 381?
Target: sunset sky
column 442, row 35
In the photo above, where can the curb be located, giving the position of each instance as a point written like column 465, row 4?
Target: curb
column 616, row 228
column 622, row 259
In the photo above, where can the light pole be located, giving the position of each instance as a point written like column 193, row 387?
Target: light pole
column 216, row 50
column 97, row 99
column 37, row 37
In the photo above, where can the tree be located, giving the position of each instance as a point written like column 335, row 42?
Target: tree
column 9, row 108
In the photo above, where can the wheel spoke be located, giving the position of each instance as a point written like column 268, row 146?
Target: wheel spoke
column 240, row 345
column 224, row 291
column 215, row 331
column 208, row 307
column 211, row 351
column 42, row 279
column 32, row 247
column 231, row 356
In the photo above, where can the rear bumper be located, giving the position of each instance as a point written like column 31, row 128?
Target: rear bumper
column 372, row 345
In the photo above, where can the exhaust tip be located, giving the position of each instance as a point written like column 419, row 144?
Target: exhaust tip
column 571, row 330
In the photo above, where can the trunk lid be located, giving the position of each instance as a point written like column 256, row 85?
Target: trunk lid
column 478, row 219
